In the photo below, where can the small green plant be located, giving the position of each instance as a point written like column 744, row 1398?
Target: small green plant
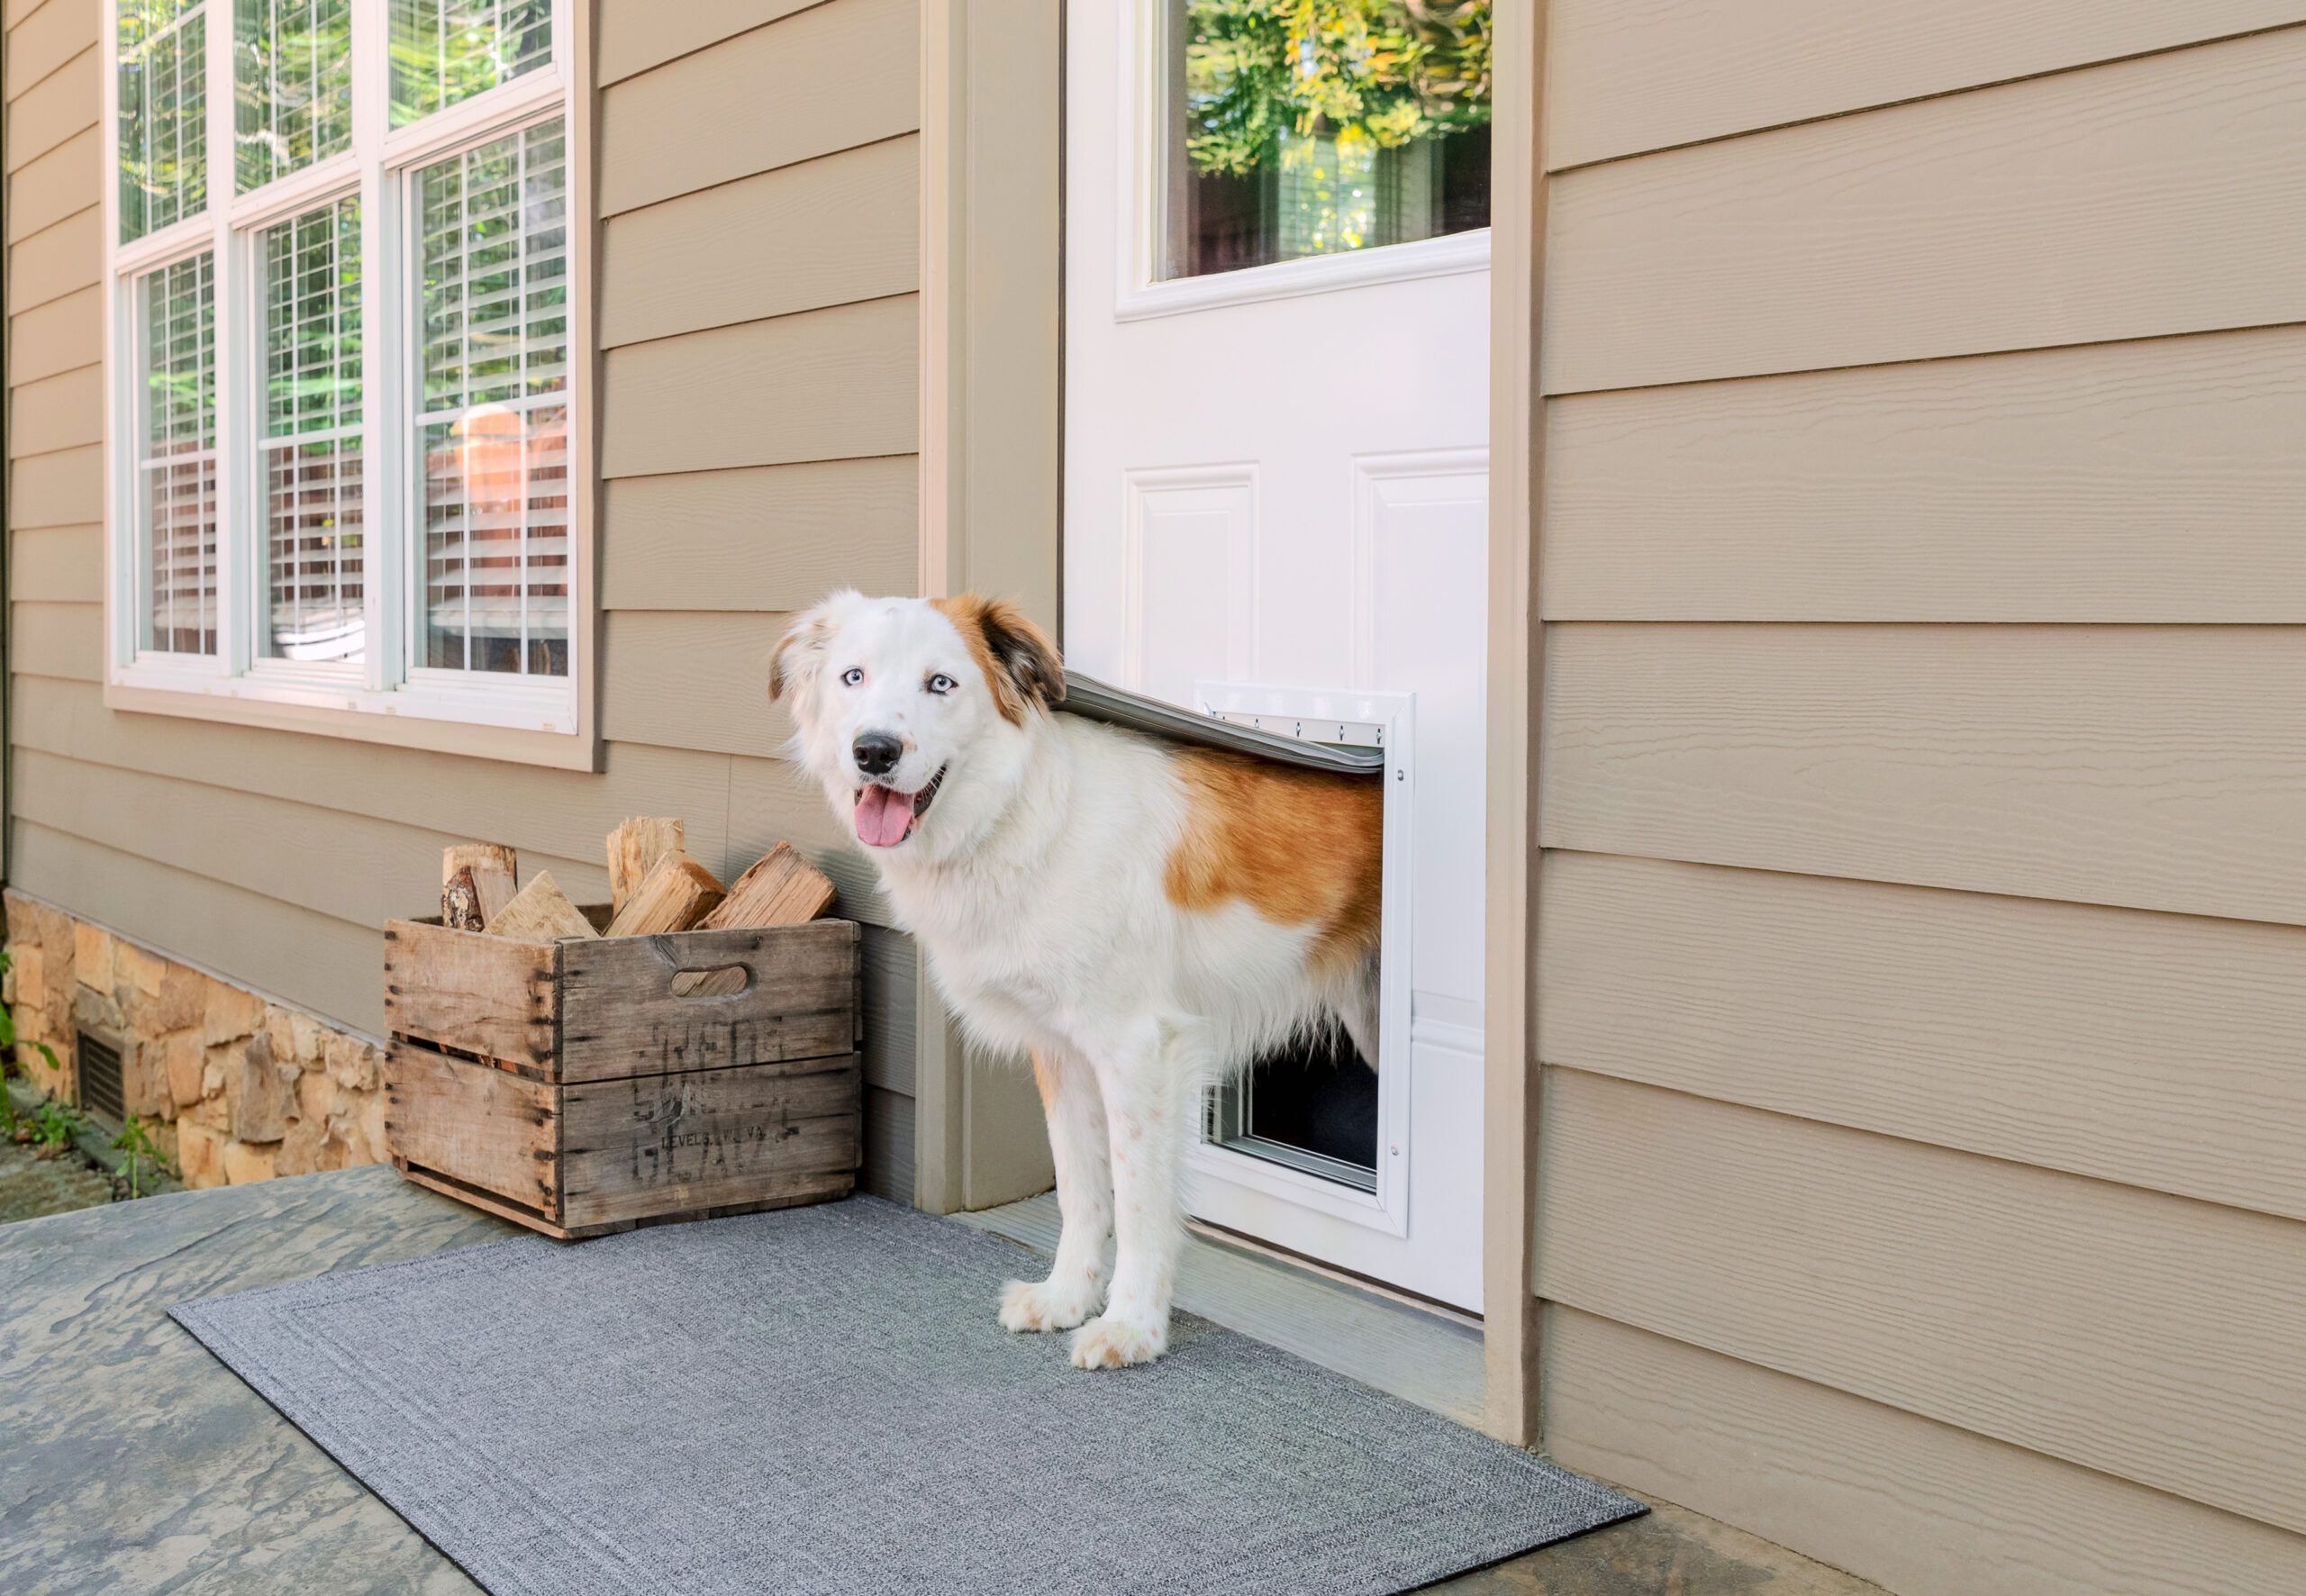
column 54, row 1124
column 137, row 1142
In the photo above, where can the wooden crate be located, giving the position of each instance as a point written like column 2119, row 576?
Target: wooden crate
column 586, row 1086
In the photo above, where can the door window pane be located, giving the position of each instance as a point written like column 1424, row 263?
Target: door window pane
column 448, row 50
column 176, row 466
column 163, row 114
column 313, row 551
column 494, row 427
column 1320, row 127
column 293, row 89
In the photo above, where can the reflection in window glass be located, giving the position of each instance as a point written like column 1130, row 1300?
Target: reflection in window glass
column 493, row 421
column 313, row 552
column 448, row 50
column 1319, row 127
column 163, row 114
column 176, row 464
column 291, row 66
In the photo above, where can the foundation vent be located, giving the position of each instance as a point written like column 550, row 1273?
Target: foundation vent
column 100, row 1083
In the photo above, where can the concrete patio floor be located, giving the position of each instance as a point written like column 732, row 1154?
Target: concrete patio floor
column 132, row 1461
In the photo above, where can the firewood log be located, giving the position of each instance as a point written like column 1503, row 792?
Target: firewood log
column 781, row 889
column 541, row 913
column 460, row 902
column 635, row 849
column 678, row 893
column 494, row 869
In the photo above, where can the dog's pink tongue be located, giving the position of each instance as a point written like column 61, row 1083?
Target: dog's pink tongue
column 881, row 816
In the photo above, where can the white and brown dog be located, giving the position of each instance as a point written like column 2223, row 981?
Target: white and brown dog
column 1139, row 917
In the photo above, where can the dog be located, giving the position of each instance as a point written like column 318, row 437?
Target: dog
column 1137, row 916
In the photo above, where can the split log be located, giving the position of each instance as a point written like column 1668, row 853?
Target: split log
column 541, row 913
column 678, row 893
column 494, row 869
column 781, row 889
column 635, row 849
column 460, row 902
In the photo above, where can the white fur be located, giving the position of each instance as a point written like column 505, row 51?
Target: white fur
column 1035, row 884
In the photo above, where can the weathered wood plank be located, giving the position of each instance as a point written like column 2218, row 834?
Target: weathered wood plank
column 487, row 1127
column 2144, row 197
column 621, row 1013
column 2154, row 768
column 2157, row 481
column 647, row 1145
column 1622, row 79
column 2157, row 1050
column 830, row 78
column 2149, row 1337
column 833, row 231
column 474, row 994
column 833, row 384
column 1923, row 1508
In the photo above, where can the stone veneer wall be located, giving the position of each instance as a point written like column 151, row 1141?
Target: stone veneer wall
column 233, row 1088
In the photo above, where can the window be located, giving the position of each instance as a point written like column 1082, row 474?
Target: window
column 345, row 386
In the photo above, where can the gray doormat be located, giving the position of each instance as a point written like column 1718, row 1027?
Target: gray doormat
column 819, row 1401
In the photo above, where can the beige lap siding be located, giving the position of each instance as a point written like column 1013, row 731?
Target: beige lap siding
column 1919, row 1003
column 272, row 858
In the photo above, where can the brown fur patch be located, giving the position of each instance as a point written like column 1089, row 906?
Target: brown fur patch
column 1016, row 657
column 1300, row 846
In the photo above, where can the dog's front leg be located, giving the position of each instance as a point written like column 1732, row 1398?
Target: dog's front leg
column 1084, row 1202
column 1152, row 1087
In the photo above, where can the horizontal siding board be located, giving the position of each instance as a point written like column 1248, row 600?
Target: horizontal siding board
column 560, row 813
column 830, row 78
column 52, row 110
column 2153, row 767
column 2152, row 481
column 60, row 259
column 637, row 34
column 774, row 538
column 694, row 680
column 2145, row 197
column 66, row 641
column 1921, row 1508
column 47, row 39
column 65, row 180
column 58, row 565
column 66, row 410
column 2157, row 1050
column 16, row 10
column 2149, row 1337
column 65, row 487
column 836, row 384
column 312, row 961
column 57, row 336
column 1622, row 79
column 833, row 231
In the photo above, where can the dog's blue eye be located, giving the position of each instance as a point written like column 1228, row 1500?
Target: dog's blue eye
column 851, row 676
column 941, row 684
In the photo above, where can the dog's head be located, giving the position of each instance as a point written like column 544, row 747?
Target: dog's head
column 900, row 703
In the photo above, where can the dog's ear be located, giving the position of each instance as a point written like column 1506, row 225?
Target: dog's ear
column 800, row 653
column 1025, row 657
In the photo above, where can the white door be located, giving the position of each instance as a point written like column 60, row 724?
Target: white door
column 1275, row 479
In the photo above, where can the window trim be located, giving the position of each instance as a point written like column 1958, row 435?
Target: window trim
column 540, row 720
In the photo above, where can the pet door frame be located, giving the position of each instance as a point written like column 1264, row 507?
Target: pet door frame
column 1227, row 1187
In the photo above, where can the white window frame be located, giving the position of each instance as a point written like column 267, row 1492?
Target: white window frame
column 388, row 697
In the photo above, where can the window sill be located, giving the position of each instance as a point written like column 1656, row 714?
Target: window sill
column 522, row 725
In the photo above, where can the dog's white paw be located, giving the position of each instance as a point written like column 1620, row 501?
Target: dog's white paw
column 1051, row 1305
column 1113, row 1342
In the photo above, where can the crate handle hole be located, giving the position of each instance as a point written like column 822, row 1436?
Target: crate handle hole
column 717, row 981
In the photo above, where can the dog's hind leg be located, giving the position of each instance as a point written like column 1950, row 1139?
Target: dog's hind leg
column 1084, row 1202
column 1152, row 1076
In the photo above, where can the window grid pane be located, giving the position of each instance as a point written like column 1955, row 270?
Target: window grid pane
column 314, row 549
column 292, row 93
column 163, row 114
column 176, row 462
column 448, row 51
column 493, row 427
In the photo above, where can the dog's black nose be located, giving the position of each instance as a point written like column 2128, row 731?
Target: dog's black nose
column 877, row 753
